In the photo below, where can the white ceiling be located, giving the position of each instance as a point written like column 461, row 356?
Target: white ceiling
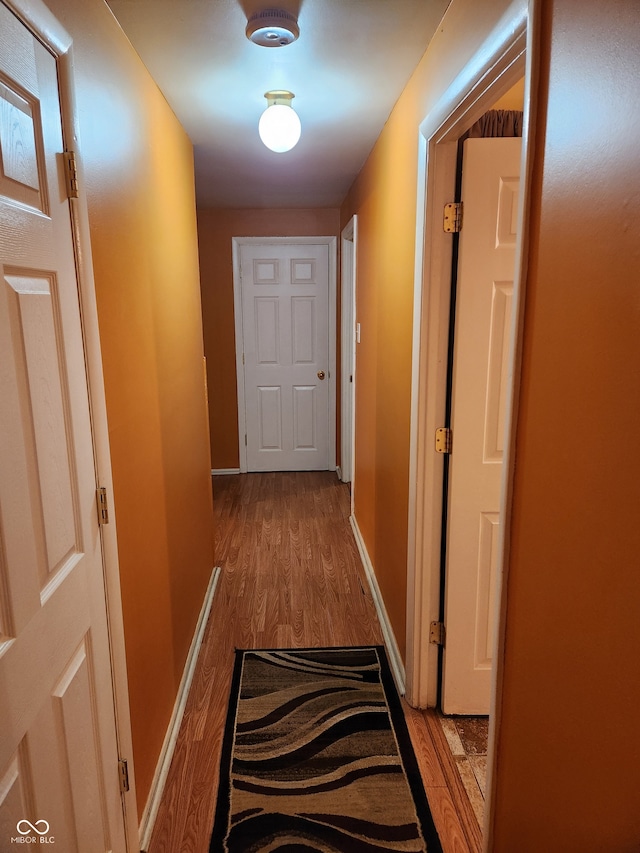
column 347, row 69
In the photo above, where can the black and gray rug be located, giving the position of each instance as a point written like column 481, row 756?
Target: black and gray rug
column 317, row 757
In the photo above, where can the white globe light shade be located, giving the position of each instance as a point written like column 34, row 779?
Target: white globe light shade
column 279, row 127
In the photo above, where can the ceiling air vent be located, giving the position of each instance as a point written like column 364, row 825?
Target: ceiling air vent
column 272, row 28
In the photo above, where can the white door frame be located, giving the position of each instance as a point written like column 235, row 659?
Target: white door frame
column 348, row 256
column 39, row 19
column 331, row 243
column 505, row 58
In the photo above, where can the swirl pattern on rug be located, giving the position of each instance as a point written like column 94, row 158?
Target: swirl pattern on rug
column 317, row 758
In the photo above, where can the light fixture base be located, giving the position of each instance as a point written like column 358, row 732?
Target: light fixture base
column 272, row 28
column 279, row 96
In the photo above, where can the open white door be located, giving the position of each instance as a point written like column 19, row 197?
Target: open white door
column 59, row 780
column 285, row 362
column 490, row 184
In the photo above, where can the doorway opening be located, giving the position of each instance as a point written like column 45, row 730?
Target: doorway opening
column 483, row 270
column 480, row 331
column 497, row 68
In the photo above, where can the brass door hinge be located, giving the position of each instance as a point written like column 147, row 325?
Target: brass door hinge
column 103, row 507
column 444, row 440
column 453, row 217
column 71, row 174
column 436, row 633
column 123, row 773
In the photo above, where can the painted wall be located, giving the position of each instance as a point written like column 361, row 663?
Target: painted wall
column 384, row 197
column 568, row 773
column 513, row 99
column 568, row 760
column 216, row 229
column 139, row 182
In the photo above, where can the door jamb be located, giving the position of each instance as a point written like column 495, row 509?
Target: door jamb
column 39, row 19
column 348, row 259
column 331, row 243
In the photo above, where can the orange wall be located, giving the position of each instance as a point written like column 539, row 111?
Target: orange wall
column 384, row 198
column 568, row 774
column 568, row 755
column 139, row 182
column 216, row 229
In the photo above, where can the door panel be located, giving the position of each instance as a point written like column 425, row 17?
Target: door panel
column 270, row 418
column 490, row 180
column 33, row 310
column 58, row 751
column 303, row 330
column 499, row 338
column 267, row 316
column 304, row 418
column 285, row 320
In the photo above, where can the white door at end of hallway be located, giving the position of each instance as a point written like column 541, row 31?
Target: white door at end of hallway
column 58, row 751
column 490, row 185
column 285, row 326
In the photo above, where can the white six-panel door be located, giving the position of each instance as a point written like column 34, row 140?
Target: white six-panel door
column 285, row 330
column 490, row 182
column 58, row 751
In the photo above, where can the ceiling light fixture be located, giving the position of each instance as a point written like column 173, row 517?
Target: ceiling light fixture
column 272, row 28
column 279, row 125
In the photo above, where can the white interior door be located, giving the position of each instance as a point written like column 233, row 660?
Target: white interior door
column 58, row 751
column 490, row 183
column 285, row 328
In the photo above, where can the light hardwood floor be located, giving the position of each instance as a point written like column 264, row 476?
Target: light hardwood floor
column 291, row 577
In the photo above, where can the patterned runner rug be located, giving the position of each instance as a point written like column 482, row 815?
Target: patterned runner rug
column 317, row 757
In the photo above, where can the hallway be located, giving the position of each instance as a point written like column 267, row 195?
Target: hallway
column 291, row 577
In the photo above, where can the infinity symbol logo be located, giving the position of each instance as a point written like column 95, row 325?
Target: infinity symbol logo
column 32, row 827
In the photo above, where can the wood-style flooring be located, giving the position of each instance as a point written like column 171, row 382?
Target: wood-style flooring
column 291, row 577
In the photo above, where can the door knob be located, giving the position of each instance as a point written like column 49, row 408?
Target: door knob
column 321, row 374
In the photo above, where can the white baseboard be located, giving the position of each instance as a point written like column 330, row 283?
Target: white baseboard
column 339, row 472
column 217, row 471
column 166, row 754
column 395, row 659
